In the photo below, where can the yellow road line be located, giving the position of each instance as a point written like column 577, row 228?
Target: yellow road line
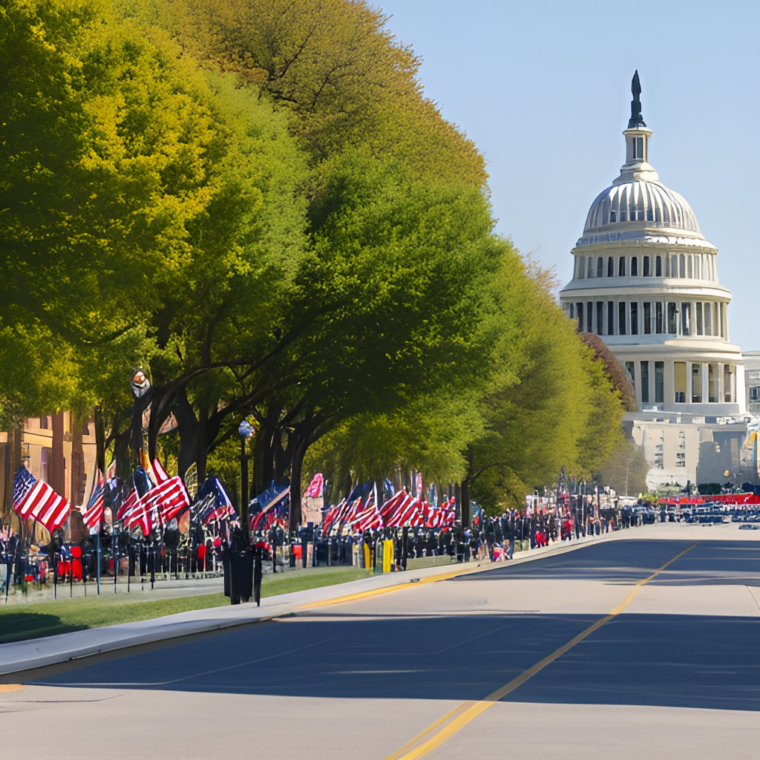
column 450, row 714
column 6, row 687
column 397, row 587
column 421, row 748
column 432, row 579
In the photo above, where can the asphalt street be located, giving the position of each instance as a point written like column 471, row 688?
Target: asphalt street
column 641, row 647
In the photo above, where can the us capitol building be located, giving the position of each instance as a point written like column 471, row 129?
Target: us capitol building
column 646, row 280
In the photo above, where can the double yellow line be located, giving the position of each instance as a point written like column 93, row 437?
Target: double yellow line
column 444, row 728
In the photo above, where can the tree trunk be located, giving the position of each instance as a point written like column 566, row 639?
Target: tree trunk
column 121, row 454
column 296, row 466
column 465, row 500
column 57, row 476
column 160, row 409
column 268, row 441
column 100, row 439
column 139, row 405
column 189, row 433
column 12, row 464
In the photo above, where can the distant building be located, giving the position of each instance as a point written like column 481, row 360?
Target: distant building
column 54, row 450
column 646, row 279
column 752, row 382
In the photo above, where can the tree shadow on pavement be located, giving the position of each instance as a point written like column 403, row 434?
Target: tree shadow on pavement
column 667, row 660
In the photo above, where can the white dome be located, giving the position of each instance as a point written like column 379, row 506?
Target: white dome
column 643, row 204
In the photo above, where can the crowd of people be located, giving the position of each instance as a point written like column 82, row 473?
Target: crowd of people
column 201, row 548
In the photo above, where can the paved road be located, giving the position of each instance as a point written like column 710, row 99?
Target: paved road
column 648, row 647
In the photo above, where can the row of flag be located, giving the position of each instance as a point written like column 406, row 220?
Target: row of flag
column 152, row 499
column 357, row 514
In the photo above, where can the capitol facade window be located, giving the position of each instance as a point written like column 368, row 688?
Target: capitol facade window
column 686, row 318
column 672, row 318
column 659, row 382
column 712, row 383
column 679, row 382
column 645, row 382
column 696, row 383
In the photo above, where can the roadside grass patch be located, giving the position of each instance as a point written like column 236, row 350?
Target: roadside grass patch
column 66, row 615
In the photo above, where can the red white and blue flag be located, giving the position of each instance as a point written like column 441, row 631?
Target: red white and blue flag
column 368, row 518
column 212, row 502
column 93, row 514
column 165, row 500
column 398, row 511
column 36, row 500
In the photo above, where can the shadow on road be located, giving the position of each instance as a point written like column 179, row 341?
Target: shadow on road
column 666, row 660
column 680, row 661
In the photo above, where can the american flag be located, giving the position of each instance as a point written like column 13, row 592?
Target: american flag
column 276, row 515
column 331, row 516
column 408, row 512
column 22, row 485
column 141, row 484
column 35, row 499
column 212, row 502
column 389, row 507
column 128, row 504
column 169, row 499
column 273, row 501
column 396, row 511
column 93, row 515
column 161, row 503
column 159, row 473
column 138, row 516
column 368, row 518
column 441, row 517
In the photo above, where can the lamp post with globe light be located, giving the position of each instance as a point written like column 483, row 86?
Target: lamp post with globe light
column 245, row 430
column 141, row 391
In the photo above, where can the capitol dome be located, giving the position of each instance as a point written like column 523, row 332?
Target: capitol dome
column 645, row 203
column 646, row 281
column 637, row 206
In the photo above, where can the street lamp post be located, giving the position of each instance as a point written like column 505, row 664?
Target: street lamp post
column 141, row 392
column 245, row 430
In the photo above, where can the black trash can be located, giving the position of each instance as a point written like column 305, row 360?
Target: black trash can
column 237, row 560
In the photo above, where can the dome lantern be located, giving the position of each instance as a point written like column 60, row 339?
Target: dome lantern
column 637, row 136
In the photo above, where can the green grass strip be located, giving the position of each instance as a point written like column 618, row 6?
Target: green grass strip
column 21, row 622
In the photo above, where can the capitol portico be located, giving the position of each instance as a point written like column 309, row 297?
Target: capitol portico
column 646, row 280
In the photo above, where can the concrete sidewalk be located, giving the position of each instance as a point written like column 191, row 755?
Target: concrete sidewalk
column 36, row 653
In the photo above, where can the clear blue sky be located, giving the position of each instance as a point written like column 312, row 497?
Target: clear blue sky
column 543, row 88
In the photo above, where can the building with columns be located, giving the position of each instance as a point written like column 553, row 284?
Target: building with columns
column 55, row 448
column 646, row 280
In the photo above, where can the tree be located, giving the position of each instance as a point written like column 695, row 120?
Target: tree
column 548, row 404
column 626, row 469
column 338, row 70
